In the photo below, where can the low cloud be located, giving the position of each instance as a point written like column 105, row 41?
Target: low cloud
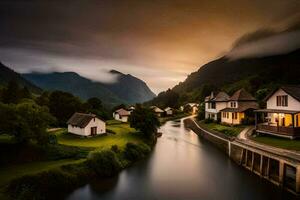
column 266, row 42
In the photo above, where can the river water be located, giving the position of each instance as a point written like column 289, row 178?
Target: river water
column 182, row 166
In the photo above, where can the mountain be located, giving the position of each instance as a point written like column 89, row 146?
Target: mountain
column 257, row 75
column 127, row 89
column 130, row 88
column 6, row 75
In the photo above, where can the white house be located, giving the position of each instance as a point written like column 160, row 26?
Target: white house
column 86, row 125
column 282, row 115
column 157, row 110
column 121, row 115
column 240, row 105
column 213, row 105
column 169, row 111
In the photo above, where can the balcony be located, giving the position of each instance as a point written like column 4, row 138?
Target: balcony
column 283, row 131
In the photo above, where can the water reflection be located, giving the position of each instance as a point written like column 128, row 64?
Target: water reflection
column 182, row 166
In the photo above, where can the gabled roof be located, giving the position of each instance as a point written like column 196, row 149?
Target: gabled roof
column 168, row 108
column 156, row 109
column 243, row 106
column 80, row 119
column 293, row 90
column 122, row 112
column 221, row 96
column 242, row 95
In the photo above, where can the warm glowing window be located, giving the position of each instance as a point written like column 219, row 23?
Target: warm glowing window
column 282, row 100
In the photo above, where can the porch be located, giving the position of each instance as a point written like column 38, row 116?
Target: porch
column 282, row 123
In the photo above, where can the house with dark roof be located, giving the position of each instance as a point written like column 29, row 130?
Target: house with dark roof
column 239, row 106
column 213, row 105
column 159, row 112
column 121, row 115
column 86, row 124
column 282, row 115
column 169, row 111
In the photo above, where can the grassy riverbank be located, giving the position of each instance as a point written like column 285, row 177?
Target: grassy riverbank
column 231, row 131
column 68, row 159
column 278, row 142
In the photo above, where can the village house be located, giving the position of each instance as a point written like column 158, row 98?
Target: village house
column 190, row 107
column 121, row 115
column 86, row 125
column 213, row 105
column 282, row 115
column 169, row 111
column 239, row 106
column 157, row 111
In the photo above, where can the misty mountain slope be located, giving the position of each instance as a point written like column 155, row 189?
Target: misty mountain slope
column 7, row 74
column 130, row 88
column 126, row 89
column 230, row 75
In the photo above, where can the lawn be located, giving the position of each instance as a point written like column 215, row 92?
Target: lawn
column 227, row 130
column 123, row 134
column 278, row 142
column 13, row 171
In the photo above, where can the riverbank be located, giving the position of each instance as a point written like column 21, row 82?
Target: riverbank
column 280, row 167
column 117, row 150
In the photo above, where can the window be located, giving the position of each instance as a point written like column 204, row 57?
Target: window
column 227, row 115
column 213, row 105
column 234, row 115
column 233, row 104
column 282, row 100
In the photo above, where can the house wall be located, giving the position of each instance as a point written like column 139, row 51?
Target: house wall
column 169, row 112
column 293, row 104
column 288, row 119
column 229, row 120
column 101, row 128
column 76, row 130
column 213, row 113
column 120, row 118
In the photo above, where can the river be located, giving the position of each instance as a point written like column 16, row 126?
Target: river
column 182, row 166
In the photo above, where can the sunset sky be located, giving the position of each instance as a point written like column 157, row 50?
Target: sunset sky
column 160, row 42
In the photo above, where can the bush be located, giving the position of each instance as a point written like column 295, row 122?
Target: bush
column 105, row 163
column 248, row 121
column 134, row 152
column 115, row 148
column 208, row 121
column 42, row 185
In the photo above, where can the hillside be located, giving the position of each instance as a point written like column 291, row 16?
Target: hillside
column 127, row 89
column 254, row 74
column 7, row 74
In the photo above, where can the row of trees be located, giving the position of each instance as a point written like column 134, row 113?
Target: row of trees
column 27, row 116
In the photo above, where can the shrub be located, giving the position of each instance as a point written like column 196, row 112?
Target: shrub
column 136, row 151
column 208, row 121
column 42, row 185
column 115, row 148
column 105, row 163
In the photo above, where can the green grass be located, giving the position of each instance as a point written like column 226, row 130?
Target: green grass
column 278, row 142
column 123, row 134
column 11, row 172
column 227, row 130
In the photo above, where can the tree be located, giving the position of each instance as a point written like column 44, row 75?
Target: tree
column 201, row 111
column 144, row 120
column 25, row 93
column 94, row 105
column 119, row 106
column 26, row 121
column 63, row 105
column 12, row 93
column 43, row 99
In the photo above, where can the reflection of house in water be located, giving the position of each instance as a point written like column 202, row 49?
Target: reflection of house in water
column 282, row 116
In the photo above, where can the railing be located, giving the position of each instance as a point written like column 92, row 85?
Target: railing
column 282, row 130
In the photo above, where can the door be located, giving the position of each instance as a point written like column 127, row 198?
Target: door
column 94, row 130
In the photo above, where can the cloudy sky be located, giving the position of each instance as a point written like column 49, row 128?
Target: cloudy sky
column 160, row 42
